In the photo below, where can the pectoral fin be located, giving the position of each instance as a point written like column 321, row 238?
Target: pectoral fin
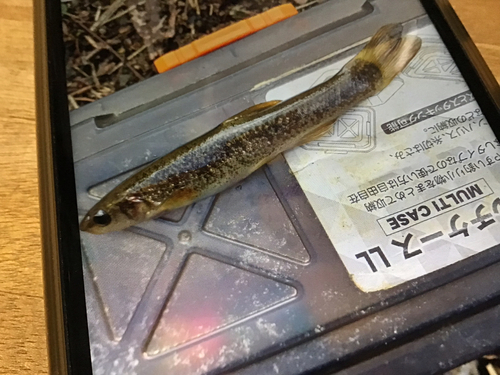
column 251, row 110
column 316, row 133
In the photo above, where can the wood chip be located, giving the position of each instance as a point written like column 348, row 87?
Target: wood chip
column 491, row 369
column 104, row 68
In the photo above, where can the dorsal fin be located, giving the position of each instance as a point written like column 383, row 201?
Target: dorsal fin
column 251, row 110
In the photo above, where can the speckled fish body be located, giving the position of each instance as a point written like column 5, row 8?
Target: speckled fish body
column 242, row 144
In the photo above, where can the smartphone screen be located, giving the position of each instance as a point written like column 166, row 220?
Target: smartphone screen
column 276, row 273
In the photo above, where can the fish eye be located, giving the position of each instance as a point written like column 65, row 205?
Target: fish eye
column 102, row 218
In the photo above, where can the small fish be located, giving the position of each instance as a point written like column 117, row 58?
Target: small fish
column 243, row 143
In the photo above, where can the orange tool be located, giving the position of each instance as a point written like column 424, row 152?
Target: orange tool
column 224, row 37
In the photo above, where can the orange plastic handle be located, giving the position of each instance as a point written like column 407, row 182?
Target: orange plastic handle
column 224, row 37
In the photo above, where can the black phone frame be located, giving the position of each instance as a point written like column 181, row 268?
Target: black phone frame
column 68, row 339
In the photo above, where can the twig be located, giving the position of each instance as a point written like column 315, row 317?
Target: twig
column 88, row 56
column 83, row 99
column 108, row 13
column 157, row 28
column 121, row 14
column 194, row 4
column 80, row 91
column 238, row 8
column 137, row 52
column 299, row 7
column 80, row 71
column 97, row 83
column 98, row 95
column 118, row 66
column 170, row 33
column 98, row 13
column 81, row 80
column 108, row 47
column 77, row 47
column 73, row 102
column 92, row 42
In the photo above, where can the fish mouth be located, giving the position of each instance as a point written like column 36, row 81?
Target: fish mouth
column 86, row 224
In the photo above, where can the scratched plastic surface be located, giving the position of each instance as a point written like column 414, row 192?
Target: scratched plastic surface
column 236, row 277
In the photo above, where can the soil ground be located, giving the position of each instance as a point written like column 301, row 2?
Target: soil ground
column 111, row 44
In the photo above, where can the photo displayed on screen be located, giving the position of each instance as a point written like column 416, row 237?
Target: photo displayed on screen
column 255, row 195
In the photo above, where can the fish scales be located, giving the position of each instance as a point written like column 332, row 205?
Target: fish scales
column 230, row 152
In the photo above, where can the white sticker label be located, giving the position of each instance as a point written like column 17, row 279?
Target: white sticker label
column 409, row 181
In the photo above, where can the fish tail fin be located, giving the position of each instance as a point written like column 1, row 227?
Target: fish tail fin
column 390, row 51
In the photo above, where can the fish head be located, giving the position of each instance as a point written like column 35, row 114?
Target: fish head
column 114, row 214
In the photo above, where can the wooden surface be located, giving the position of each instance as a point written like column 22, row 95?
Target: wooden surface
column 22, row 325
